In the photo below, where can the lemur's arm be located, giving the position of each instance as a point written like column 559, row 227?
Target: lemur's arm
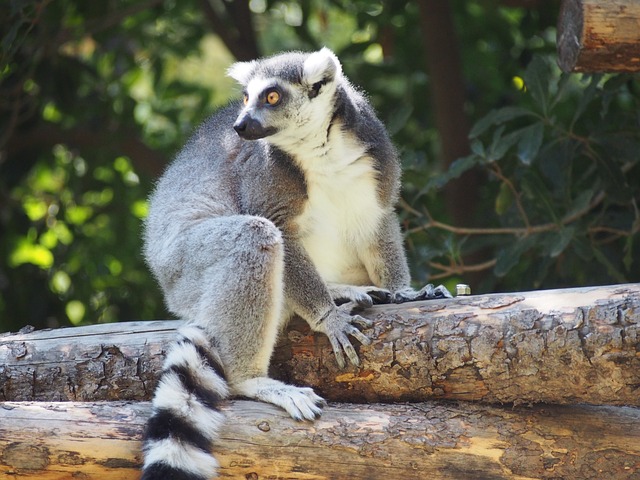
column 385, row 259
column 308, row 296
column 386, row 264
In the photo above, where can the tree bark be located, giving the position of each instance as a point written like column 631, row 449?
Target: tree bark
column 234, row 27
column 596, row 36
column 413, row 442
column 558, row 346
column 448, row 97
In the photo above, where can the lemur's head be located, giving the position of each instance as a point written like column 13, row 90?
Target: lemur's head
column 287, row 97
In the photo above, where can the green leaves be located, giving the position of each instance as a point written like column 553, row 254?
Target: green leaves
column 498, row 117
column 562, row 169
column 509, row 256
column 456, row 169
column 529, row 142
column 555, row 155
column 536, row 80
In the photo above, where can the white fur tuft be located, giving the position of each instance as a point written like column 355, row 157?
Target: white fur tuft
column 241, row 71
column 321, row 65
column 195, row 334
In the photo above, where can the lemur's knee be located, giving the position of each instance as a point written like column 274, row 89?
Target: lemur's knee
column 253, row 236
column 263, row 233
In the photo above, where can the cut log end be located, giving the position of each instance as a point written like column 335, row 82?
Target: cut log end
column 595, row 36
column 570, row 26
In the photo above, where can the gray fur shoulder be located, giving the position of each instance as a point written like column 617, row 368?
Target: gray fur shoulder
column 214, row 136
column 356, row 114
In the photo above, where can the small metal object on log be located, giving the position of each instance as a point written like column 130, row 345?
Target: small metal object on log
column 462, row 289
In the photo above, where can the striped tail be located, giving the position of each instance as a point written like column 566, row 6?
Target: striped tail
column 185, row 419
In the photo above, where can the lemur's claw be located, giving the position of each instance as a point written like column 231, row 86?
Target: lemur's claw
column 428, row 292
column 380, row 296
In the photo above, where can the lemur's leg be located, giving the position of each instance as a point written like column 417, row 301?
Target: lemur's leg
column 243, row 314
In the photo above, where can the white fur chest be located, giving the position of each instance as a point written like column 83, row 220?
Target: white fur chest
column 343, row 212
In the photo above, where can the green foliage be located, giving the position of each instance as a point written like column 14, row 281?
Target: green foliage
column 562, row 171
column 80, row 246
column 88, row 89
column 95, row 97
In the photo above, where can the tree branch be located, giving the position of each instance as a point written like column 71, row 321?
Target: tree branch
column 448, row 97
column 497, row 171
column 455, row 269
column 521, row 231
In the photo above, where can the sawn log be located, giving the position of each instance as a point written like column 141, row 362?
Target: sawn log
column 56, row 441
column 599, row 36
column 578, row 345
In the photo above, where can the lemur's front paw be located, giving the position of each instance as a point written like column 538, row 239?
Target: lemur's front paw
column 362, row 296
column 338, row 325
column 428, row 292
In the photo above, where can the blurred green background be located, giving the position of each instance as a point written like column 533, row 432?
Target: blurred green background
column 516, row 177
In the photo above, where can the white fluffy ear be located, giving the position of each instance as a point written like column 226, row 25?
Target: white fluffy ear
column 321, row 66
column 241, row 71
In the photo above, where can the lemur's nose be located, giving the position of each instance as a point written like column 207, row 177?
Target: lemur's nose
column 251, row 129
column 240, row 126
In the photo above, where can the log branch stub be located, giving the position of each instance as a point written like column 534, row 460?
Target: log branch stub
column 55, row 441
column 565, row 346
column 597, row 36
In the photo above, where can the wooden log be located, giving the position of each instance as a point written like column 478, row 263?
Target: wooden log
column 55, row 441
column 597, row 36
column 559, row 346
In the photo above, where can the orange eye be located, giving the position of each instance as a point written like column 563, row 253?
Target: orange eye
column 273, row 97
column 245, row 98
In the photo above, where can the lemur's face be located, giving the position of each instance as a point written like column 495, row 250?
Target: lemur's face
column 267, row 104
column 285, row 96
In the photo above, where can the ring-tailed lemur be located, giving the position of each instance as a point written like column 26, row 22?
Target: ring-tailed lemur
column 281, row 206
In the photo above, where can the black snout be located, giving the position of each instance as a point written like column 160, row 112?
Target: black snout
column 251, row 129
